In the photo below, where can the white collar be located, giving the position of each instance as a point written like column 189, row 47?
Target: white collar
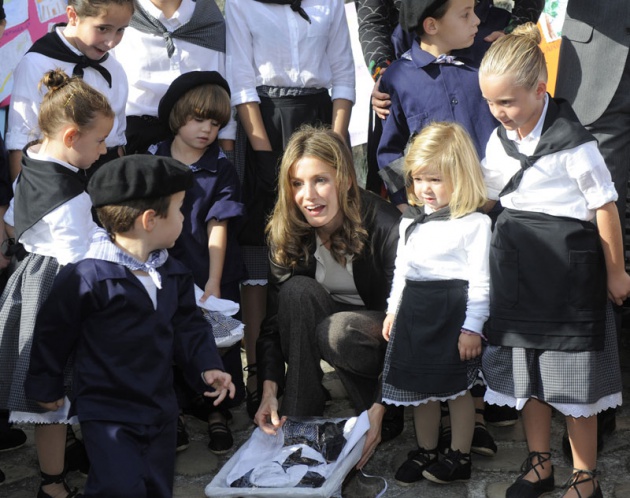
column 45, row 157
column 182, row 15
column 59, row 31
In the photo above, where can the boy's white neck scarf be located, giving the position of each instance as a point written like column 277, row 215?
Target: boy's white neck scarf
column 101, row 247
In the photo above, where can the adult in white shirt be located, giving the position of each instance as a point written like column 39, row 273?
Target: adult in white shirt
column 289, row 63
column 167, row 38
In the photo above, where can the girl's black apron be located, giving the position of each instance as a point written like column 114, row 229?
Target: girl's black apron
column 547, row 283
column 425, row 355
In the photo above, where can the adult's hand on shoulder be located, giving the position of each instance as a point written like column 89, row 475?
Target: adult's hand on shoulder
column 380, row 100
column 494, row 36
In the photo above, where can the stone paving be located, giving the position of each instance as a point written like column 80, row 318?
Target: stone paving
column 196, row 466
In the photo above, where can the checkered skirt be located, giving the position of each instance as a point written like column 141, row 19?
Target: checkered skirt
column 20, row 302
column 561, row 377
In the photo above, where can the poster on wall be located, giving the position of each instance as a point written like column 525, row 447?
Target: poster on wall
column 550, row 26
column 27, row 20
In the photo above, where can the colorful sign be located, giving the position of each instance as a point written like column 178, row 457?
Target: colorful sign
column 27, row 20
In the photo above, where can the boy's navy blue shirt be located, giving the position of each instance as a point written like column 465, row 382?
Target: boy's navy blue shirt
column 423, row 91
column 124, row 346
column 215, row 194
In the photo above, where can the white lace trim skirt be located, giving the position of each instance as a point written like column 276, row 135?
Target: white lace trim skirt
column 577, row 383
column 57, row 417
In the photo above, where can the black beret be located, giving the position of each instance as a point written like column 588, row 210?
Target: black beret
column 414, row 12
column 185, row 83
column 139, row 176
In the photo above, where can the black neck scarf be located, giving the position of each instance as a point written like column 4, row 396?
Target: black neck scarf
column 296, row 6
column 561, row 131
column 51, row 45
column 43, row 186
column 205, row 29
column 418, row 215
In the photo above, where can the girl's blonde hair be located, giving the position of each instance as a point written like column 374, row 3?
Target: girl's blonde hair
column 446, row 149
column 517, row 54
column 291, row 239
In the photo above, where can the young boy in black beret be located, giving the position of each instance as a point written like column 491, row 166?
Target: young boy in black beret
column 127, row 311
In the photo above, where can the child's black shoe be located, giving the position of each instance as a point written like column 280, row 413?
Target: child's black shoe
column 522, row 488
column 221, row 440
column 417, row 460
column 455, row 466
column 483, row 442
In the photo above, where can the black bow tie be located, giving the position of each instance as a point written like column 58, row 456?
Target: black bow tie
column 418, row 215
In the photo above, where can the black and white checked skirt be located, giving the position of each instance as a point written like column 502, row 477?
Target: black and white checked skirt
column 21, row 300
column 577, row 383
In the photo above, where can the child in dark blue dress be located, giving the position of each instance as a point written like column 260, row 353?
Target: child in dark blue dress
column 196, row 106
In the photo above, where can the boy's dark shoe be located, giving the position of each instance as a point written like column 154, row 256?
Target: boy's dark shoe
column 76, row 457
column 500, row 416
column 221, row 440
column 12, row 439
column 393, row 422
column 183, row 441
column 483, row 442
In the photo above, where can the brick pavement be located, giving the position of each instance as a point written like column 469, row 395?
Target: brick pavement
column 196, row 466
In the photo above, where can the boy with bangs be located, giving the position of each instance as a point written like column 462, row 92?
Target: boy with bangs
column 195, row 107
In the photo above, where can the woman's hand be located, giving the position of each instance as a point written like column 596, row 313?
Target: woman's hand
column 267, row 415
column 373, row 435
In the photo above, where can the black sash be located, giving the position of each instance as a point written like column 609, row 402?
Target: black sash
column 205, row 29
column 52, row 46
column 418, row 215
column 561, row 131
column 43, row 186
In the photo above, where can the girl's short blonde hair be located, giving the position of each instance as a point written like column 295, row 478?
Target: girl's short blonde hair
column 517, row 54
column 446, row 149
